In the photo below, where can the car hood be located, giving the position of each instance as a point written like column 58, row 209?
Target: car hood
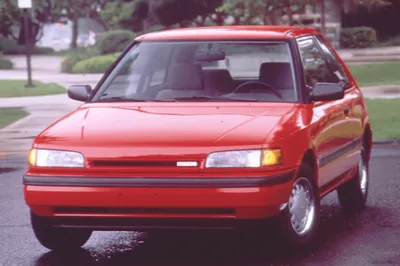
column 166, row 125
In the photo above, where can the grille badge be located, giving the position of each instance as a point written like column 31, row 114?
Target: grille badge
column 186, row 164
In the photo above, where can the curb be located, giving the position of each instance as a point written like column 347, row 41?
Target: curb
column 18, row 122
column 385, row 142
column 13, row 154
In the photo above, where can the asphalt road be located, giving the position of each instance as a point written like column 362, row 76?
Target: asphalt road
column 368, row 238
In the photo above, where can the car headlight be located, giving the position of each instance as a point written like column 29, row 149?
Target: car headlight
column 244, row 158
column 55, row 158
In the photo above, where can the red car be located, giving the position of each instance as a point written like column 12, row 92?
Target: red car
column 204, row 128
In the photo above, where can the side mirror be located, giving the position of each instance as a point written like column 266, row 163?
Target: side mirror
column 79, row 92
column 327, row 92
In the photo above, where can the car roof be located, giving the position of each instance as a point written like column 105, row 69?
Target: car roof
column 229, row 32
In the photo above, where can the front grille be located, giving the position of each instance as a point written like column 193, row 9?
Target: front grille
column 105, row 163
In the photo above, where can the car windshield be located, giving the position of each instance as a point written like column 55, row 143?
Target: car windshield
column 202, row 71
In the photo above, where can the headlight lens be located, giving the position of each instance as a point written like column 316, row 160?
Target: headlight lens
column 244, row 158
column 55, row 158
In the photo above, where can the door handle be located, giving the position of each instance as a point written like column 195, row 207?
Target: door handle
column 346, row 111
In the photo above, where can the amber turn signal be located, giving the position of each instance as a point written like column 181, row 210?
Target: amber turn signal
column 271, row 157
column 32, row 157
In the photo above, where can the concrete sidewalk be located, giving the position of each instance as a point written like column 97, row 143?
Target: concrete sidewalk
column 65, row 80
column 44, row 110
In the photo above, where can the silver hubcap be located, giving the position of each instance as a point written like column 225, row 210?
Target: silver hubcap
column 363, row 177
column 302, row 206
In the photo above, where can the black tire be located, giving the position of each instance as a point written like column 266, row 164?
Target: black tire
column 58, row 239
column 296, row 239
column 352, row 194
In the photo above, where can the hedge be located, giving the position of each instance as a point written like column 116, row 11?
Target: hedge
column 75, row 56
column 95, row 65
column 114, row 41
column 11, row 47
column 358, row 37
column 5, row 63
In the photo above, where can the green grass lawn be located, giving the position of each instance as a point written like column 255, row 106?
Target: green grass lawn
column 376, row 73
column 16, row 88
column 385, row 118
column 10, row 115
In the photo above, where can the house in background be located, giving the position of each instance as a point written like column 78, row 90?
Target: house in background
column 59, row 35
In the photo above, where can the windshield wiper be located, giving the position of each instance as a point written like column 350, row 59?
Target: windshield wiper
column 206, row 98
column 121, row 99
column 191, row 98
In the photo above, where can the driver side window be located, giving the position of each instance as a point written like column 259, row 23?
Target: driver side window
column 314, row 64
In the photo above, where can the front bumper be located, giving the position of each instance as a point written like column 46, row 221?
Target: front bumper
column 149, row 203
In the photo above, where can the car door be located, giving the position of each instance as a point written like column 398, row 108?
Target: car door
column 328, row 129
column 352, row 126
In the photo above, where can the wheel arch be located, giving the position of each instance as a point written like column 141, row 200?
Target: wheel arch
column 367, row 140
column 310, row 158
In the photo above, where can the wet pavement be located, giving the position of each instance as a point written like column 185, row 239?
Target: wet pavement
column 368, row 238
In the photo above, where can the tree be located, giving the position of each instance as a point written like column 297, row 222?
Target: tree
column 260, row 11
column 10, row 16
column 170, row 12
column 135, row 15
column 266, row 11
column 144, row 15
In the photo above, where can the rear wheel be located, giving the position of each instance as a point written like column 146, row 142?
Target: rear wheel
column 59, row 239
column 299, row 221
column 353, row 194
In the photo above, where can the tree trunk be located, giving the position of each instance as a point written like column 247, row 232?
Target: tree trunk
column 145, row 25
column 75, row 28
column 267, row 19
column 289, row 12
column 220, row 19
column 272, row 18
column 323, row 18
column 184, row 23
column 236, row 20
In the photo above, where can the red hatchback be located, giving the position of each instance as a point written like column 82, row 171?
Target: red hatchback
column 204, row 128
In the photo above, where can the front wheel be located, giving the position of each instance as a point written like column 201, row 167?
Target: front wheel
column 299, row 221
column 353, row 194
column 58, row 239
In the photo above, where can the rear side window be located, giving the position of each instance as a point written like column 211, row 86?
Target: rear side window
column 334, row 64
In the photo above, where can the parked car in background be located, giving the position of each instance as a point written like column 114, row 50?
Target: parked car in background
column 167, row 142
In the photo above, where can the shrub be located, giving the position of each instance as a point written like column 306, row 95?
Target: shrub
column 8, row 46
column 393, row 41
column 5, row 63
column 43, row 50
column 358, row 37
column 75, row 56
column 11, row 47
column 114, row 41
column 96, row 65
